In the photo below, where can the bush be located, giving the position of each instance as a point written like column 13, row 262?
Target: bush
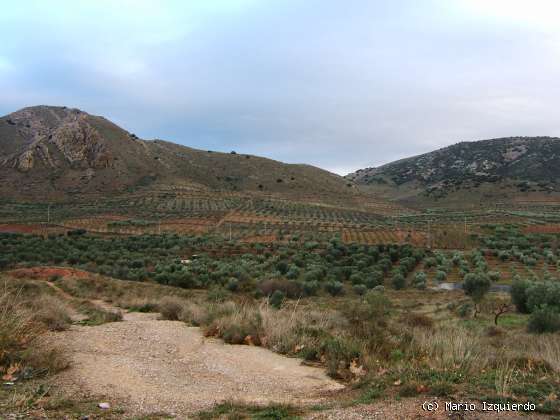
column 543, row 294
column 398, row 281
column 356, row 278
column 334, row 288
column 544, row 320
column 52, row 313
column 232, row 284
column 97, row 315
column 310, row 288
column 494, row 276
column 375, row 278
column 339, row 354
column 290, row 288
column 476, row 285
column 171, row 308
column 519, row 296
column 277, row 298
column 440, row 275
column 419, row 320
column 359, row 289
column 420, row 280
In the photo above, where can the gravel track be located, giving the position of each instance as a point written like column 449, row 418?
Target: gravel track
column 146, row 365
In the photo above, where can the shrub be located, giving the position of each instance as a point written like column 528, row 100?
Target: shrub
column 476, row 285
column 544, row 320
column 430, row 262
column 359, row 289
column 543, row 293
column 232, row 284
column 420, row 280
column 440, row 275
column 171, row 308
column 338, row 353
column 20, row 344
column 334, row 288
column 494, row 275
column 356, row 278
column 217, row 294
column 519, row 296
column 52, row 313
column 398, row 281
column 143, row 307
column 419, row 320
column 464, row 310
column 277, row 298
column 290, row 288
column 375, row 278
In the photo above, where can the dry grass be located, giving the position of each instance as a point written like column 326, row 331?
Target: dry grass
column 546, row 348
column 452, row 348
column 505, row 376
column 124, row 293
column 22, row 350
column 52, row 313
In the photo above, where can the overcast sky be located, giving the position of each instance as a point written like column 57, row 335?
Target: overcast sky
column 340, row 84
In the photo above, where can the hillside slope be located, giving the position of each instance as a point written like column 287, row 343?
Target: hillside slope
column 60, row 153
column 497, row 169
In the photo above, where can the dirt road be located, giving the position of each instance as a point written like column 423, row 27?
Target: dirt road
column 147, row 365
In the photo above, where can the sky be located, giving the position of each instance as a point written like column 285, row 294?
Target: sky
column 342, row 84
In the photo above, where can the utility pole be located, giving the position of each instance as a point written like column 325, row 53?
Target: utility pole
column 465, row 224
column 49, row 214
column 230, row 231
column 159, row 227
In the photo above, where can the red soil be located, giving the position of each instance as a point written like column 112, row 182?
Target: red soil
column 45, row 273
column 542, row 229
column 18, row 228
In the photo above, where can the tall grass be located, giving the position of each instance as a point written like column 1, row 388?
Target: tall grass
column 546, row 348
column 21, row 346
column 452, row 348
column 17, row 328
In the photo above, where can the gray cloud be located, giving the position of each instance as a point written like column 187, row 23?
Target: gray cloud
column 341, row 85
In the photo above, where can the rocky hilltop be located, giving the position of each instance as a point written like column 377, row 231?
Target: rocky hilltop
column 51, row 152
column 516, row 165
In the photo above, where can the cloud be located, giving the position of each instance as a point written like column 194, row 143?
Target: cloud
column 338, row 85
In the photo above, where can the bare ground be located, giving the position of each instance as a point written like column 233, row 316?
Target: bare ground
column 146, row 365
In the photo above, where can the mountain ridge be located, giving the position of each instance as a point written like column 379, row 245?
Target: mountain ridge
column 59, row 152
column 520, row 164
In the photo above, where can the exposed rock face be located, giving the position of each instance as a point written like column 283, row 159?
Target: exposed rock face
column 57, row 136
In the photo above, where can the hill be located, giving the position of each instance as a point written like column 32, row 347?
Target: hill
column 61, row 153
column 471, row 173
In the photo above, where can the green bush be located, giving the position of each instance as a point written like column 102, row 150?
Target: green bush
column 334, row 288
column 519, row 295
column 544, row 320
column 476, row 285
column 310, row 288
column 440, row 275
column 398, row 281
column 277, row 298
column 232, row 285
column 359, row 289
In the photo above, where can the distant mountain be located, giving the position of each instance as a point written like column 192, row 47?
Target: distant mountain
column 51, row 152
column 497, row 169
